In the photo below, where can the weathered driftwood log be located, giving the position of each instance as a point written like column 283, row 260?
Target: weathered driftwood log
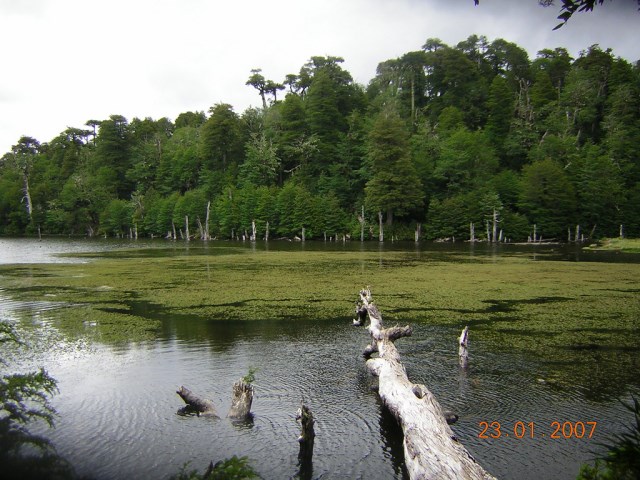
column 431, row 449
column 241, row 400
column 196, row 404
column 307, row 434
column 463, row 352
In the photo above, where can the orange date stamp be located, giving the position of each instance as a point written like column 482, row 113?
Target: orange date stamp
column 558, row 430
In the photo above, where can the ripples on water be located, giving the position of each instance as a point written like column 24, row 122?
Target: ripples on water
column 118, row 406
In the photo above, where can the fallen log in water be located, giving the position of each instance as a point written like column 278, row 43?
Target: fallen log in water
column 431, row 449
column 196, row 404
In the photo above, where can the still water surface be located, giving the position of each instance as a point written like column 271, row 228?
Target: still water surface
column 117, row 404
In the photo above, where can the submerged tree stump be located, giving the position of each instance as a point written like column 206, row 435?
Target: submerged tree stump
column 196, row 404
column 241, row 400
column 431, row 449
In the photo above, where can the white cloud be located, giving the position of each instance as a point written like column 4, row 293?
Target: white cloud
column 67, row 61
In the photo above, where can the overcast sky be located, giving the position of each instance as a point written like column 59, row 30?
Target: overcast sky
column 64, row 62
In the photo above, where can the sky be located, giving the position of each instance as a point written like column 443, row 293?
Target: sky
column 64, row 62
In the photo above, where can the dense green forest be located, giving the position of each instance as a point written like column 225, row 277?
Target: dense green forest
column 442, row 138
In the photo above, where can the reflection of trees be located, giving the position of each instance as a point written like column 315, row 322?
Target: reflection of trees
column 24, row 400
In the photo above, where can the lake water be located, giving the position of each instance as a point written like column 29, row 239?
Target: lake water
column 117, row 404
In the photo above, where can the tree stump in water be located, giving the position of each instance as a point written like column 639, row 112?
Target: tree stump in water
column 241, row 400
column 196, row 404
column 431, row 450
column 306, row 439
column 307, row 434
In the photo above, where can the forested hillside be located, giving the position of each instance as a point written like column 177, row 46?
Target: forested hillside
column 443, row 137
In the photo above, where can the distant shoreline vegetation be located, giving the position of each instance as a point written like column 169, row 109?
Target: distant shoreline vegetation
column 472, row 142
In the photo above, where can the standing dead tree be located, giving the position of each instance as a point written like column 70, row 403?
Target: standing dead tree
column 463, row 344
column 307, row 434
column 431, row 449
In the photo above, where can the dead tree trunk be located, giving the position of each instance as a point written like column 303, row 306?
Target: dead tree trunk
column 307, row 435
column 241, row 400
column 463, row 353
column 196, row 404
column 361, row 219
column 206, row 223
column 431, row 449
column 27, row 195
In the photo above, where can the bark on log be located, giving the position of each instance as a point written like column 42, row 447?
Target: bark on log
column 431, row 449
column 196, row 404
column 241, row 400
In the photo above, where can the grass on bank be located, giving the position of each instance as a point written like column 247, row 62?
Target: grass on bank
column 626, row 245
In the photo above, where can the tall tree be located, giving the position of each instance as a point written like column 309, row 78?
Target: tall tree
column 257, row 81
column 394, row 187
column 23, row 155
column 221, row 143
column 112, row 157
column 501, row 107
column 548, row 198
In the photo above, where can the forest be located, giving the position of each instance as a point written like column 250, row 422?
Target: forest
column 468, row 142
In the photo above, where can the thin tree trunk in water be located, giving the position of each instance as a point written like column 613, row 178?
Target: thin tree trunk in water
column 173, row 229
column 381, row 232
column 431, row 449
column 253, row 230
column 362, row 225
column 621, row 231
column 472, row 232
column 307, row 436
column 266, row 233
column 186, row 227
column 303, row 234
column 495, row 226
column 463, row 352
column 206, row 222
